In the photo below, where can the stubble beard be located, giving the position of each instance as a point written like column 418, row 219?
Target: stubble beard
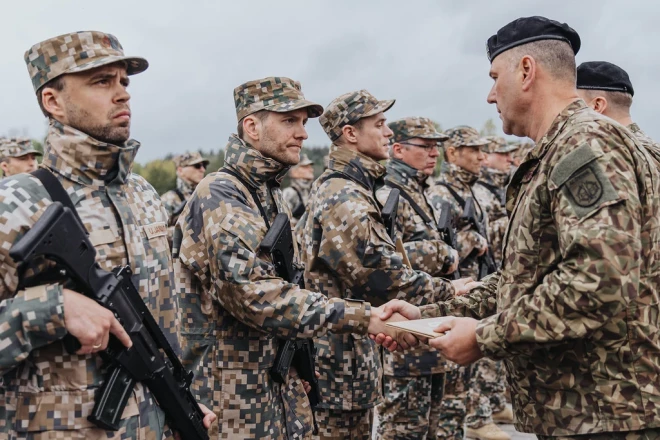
column 273, row 149
column 81, row 119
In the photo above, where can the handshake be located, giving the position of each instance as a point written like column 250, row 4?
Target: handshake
column 460, row 346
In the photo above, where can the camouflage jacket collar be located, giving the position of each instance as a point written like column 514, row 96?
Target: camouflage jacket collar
column 404, row 175
column 186, row 188
column 356, row 165
column 557, row 126
column 452, row 174
column 493, row 177
column 250, row 164
column 83, row 159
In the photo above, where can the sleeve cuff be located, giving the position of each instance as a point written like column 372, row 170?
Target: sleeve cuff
column 45, row 317
column 357, row 315
column 490, row 337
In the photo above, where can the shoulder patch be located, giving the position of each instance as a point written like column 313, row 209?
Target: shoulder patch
column 583, row 181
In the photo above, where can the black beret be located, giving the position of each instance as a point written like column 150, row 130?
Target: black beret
column 528, row 29
column 601, row 75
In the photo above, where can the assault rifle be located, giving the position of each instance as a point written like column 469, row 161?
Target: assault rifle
column 301, row 353
column 447, row 229
column 59, row 236
column 486, row 261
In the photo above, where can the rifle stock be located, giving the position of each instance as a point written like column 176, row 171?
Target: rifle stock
column 486, row 261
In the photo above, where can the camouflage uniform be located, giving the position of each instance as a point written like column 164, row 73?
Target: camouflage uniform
column 348, row 254
column 234, row 305
column 413, row 381
column 459, row 397
column 488, row 379
column 296, row 194
column 46, row 392
column 652, row 146
column 17, row 147
column 574, row 309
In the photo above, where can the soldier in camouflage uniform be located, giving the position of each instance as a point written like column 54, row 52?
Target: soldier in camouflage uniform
column 348, row 253
column 17, row 155
column 574, row 311
column 413, row 381
column 488, row 376
column 607, row 89
column 190, row 169
column 235, row 306
column 490, row 190
column 297, row 194
column 47, row 393
column 464, row 155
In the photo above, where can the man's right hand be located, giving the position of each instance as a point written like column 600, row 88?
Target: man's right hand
column 91, row 323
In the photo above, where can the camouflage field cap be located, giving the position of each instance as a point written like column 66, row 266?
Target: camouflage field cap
column 498, row 145
column 415, row 127
column 464, row 136
column 304, row 161
column 188, row 159
column 349, row 108
column 275, row 94
column 77, row 52
column 17, row 147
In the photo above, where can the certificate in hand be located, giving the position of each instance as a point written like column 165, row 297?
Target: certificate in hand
column 420, row 327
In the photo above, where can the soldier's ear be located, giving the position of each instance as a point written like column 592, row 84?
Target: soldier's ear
column 52, row 102
column 4, row 166
column 599, row 104
column 396, row 150
column 251, row 128
column 527, row 66
column 350, row 134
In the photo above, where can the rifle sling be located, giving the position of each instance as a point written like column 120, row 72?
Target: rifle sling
column 413, row 204
column 57, row 192
column 254, row 194
column 458, row 198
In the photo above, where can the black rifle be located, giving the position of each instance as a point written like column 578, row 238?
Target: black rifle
column 389, row 212
column 301, row 353
column 486, row 261
column 58, row 236
column 447, row 229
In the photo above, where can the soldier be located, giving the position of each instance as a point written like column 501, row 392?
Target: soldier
column 190, row 169
column 235, row 305
column 348, row 253
column 464, row 156
column 490, row 190
column 297, row 194
column 488, row 379
column 574, row 310
column 17, row 155
column 413, row 381
column 80, row 80
column 607, row 89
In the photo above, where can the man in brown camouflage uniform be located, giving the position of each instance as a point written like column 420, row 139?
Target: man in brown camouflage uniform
column 413, row 381
column 235, row 306
column 607, row 89
column 297, row 194
column 47, row 393
column 190, row 169
column 574, row 311
column 464, row 155
column 348, row 253
column 17, row 155
column 488, row 379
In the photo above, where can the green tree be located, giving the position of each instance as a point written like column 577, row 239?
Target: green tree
column 489, row 128
column 159, row 173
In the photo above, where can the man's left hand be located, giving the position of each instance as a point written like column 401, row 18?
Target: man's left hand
column 459, row 344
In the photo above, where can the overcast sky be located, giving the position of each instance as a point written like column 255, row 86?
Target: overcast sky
column 428, row 55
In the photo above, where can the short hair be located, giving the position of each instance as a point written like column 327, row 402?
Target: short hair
column 618, row 100
column 261, row 115
column 57, row 84
column 556, row 56
column 357, row 125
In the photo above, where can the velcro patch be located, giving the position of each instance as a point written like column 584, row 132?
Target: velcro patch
column 585, row 188
column 154, row 230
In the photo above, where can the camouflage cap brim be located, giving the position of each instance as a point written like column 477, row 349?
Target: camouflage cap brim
column 507, row 148
column 481, row 142
column 435, row 136
column 25, row 153
column 382, row 106
column 195, row 162
column 314, row 110
column 134, row 65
